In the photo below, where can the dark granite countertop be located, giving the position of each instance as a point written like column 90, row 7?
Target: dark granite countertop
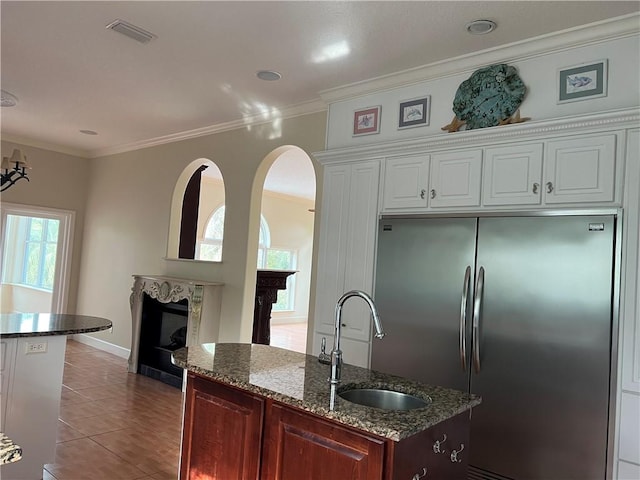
column 9, row 451
column 48, row 324
column 301, row 381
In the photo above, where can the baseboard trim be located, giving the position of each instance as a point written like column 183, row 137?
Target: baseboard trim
column 102, row 345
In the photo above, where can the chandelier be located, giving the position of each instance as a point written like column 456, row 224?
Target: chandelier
column 13, row 169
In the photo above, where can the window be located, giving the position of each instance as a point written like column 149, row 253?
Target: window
column 210, row 248
column 35, row 244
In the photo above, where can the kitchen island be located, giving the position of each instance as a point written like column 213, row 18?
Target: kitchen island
column 32, row 348
column 255, row 411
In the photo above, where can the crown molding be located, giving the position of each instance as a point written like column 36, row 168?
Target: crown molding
column 292, row 111
column 624, row 118
column 54, row 147
column 598, row 32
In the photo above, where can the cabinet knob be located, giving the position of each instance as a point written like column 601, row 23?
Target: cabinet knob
column 433, row 193
column 418, row 476
column 454, row 454
column 549, row 187
column 344, row 324
column 422, row 192
column 536, row 186
column 437, row 446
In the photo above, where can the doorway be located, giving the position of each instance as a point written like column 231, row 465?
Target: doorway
column 36, row 258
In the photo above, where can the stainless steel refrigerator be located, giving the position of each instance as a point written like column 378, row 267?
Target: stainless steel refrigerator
column 518, row 310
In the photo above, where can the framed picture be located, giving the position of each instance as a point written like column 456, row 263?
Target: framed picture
column 366, row 121
column 582, row 82
column 414, row 113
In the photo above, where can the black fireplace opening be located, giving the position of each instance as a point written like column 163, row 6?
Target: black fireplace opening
column 163, row 330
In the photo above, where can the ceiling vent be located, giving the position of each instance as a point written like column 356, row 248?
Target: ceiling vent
column 136, row 33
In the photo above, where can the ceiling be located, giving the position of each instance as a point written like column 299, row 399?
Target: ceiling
column 70, row 73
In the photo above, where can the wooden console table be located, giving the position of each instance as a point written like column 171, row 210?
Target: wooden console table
column 268, row 282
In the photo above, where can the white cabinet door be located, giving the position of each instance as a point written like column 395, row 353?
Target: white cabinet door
column 512, row 175
column 347, row 246
column 360, row 248
column 333, row 232
column 455, row 179
column 580, row 169
column 405, row 182
column 629, row 447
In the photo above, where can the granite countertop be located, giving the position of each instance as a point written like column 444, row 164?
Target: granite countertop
column 9, row 451
column 48, row 324
column 301, row 381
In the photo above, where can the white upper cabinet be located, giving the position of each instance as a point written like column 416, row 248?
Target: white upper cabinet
column 580, row 169
column 455, row 179
column 406, row 182
column 512, row 175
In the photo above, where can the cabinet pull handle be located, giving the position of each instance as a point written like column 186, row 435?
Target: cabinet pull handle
column 433, row 193
column 418, row 476
column 454, row 454
column 344, row 324
column 437, row 445
column 535, row 187
column 549, row 187
column 422, row 192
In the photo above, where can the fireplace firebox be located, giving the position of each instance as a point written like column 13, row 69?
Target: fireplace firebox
column 163, row 330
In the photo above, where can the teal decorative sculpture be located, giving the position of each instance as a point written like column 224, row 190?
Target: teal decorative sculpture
column 490, row 97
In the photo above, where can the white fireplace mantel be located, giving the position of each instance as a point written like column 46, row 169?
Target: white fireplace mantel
column 204, row 301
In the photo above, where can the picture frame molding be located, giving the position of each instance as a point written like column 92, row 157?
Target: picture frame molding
column 376, row 111
column 425, row 100
column 601, row 69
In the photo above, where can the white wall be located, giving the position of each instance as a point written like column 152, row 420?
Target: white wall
column 538, row 72
column 127, row 221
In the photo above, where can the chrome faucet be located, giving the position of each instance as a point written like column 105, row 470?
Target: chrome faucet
column 336, row 353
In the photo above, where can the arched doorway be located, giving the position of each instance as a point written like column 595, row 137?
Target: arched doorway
column 287, row 208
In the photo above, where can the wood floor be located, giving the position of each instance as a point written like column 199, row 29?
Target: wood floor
column 114, row 425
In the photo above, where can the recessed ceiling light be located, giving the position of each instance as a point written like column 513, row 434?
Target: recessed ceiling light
column 88, row 132
column 480, row 27
column 8, row 99
column 268, row 75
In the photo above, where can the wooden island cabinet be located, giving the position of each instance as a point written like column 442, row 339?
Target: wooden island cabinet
column 262, row 413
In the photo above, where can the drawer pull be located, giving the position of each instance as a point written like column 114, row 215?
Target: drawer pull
column 422, row 192
column 454, row 454
column 418, row 476
column 549, row 187
column 535, row 187
column 433, row 193
column 437, row 446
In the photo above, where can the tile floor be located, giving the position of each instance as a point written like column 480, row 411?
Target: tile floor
column 114, row 425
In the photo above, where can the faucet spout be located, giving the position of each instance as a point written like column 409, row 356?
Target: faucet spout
column 336, row 353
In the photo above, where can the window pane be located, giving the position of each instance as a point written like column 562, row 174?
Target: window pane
column 49, row 267
column 279, row 259
column 215, row 227
column 210, row 252
column 52, row 230
column 35, row 230
column 32, row 263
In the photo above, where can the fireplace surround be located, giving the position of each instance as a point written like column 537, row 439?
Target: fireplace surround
column 168, row 300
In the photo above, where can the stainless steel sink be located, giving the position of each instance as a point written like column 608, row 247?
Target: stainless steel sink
column 385, row 399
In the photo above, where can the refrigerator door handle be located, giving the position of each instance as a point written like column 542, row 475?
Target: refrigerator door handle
column 477, row 306
column 463, row 318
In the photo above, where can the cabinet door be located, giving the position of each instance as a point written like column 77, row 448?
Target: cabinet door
column 222, row 432
column 405, row 182
column 512, row 175
column 580, row 169
column 333, row 236
column 301, row 446
column 455, row 179
column 360, row 249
